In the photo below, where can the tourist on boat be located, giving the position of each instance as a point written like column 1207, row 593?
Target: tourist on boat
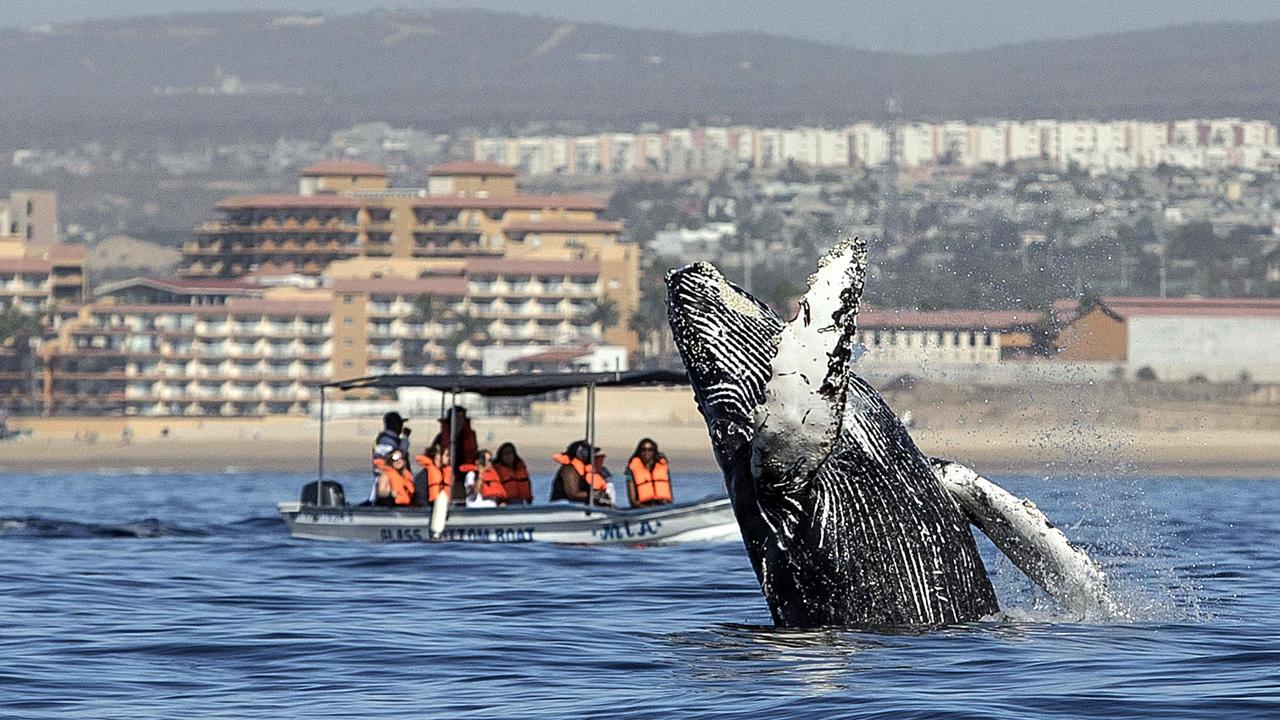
column 514, row 475
column 395, row 482
column 467, row 446
column 579, row 478
column 485, row 485
column 393, row 436
column 648, row 478
column 434, row 476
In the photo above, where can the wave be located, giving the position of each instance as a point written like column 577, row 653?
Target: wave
column 54, row 528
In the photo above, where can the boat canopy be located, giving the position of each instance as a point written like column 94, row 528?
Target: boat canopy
column 516, row 385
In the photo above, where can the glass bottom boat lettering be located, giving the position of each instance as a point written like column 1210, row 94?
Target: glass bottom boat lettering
column 624, row 530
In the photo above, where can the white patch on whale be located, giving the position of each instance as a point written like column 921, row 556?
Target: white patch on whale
column 805, row 397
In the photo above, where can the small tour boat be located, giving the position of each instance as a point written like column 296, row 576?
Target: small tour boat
column 323, row 515
column 706, row 520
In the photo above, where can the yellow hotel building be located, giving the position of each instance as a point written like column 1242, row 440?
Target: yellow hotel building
column 346, row 210
column 348, row 277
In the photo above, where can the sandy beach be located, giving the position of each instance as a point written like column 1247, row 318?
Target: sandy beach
column 1057, row 430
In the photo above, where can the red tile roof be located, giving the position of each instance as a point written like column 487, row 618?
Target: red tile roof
column 24, row 265
column 947, row 319
column 453, row 285
column 563, row 226
column 276, row 307
column 65, row 251
column 192, row 286
column 518, row 202
column 523, row 266
column 343, row 167
column 472, row 167
column 1127, row 307
column 234, row 306
column 283, row 200
column 204, row 284
column 42, row 259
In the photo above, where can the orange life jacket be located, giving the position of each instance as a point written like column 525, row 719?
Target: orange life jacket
column 588, row 472
column 401, row 483
column 652, row 487
column 515, row 481
column 437, row 479
column 491, row 485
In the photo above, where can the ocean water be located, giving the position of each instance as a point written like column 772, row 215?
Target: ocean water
column 155, row 595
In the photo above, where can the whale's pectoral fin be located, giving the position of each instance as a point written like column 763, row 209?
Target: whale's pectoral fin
column 1023, row 533
column 800, row 418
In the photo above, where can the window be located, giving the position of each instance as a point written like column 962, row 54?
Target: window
column 348, row 299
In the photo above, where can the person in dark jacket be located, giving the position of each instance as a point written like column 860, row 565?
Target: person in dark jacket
column 393, row 436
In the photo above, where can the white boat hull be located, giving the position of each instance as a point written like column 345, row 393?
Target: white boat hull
column 707, row 520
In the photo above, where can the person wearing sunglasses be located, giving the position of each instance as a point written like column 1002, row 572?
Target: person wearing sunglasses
column 648, row 477
column 395, row 482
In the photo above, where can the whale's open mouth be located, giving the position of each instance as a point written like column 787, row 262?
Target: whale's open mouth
column 752, row 372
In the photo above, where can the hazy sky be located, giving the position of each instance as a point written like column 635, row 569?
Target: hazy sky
column 920, row 26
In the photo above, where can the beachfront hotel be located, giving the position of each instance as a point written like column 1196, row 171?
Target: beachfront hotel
column 347, row 210
column 348, row 277
column 258, row 347
column 35, row 279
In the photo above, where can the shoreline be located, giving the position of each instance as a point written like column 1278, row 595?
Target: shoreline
column 1109, row 429
column 291, row 444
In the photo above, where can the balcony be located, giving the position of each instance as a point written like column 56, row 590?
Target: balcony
column 277, row 329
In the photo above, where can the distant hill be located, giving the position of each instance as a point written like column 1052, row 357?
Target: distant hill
column 225, row 75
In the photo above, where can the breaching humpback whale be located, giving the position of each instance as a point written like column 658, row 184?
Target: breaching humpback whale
column 843, row 518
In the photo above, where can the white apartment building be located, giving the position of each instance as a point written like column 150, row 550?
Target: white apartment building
column 1095, row 146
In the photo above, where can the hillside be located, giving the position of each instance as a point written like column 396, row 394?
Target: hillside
column 228, row 75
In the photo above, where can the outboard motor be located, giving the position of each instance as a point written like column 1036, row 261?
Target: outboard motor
column 327, row 493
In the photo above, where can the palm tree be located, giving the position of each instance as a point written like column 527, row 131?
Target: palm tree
column 644, row 325
column 605, row 313
column 426, row 309
column 467, row 328
column 17, row 328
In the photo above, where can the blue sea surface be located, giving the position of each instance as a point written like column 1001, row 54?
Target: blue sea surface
column 155, row 595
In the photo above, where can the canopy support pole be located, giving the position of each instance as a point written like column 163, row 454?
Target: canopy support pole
column 320, row 470
column 589, row 433
column 453, row 447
